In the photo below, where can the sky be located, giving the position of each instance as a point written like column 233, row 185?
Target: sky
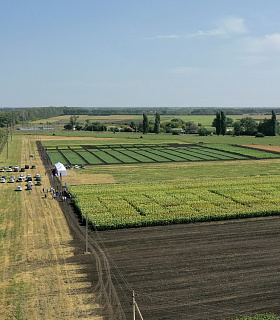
column 140, row 53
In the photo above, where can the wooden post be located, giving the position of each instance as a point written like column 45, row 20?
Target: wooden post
column 86, row 232
column 7, row 142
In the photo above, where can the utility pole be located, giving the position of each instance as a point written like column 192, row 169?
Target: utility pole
column 86, row 232
column 135, row 307
column 11, row 132
column 7, row 142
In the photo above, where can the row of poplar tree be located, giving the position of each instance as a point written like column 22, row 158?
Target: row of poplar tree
column 247, row 125
column 145, row 128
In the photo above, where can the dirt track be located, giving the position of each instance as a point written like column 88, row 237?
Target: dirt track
column 199, row 271
column 95, row 264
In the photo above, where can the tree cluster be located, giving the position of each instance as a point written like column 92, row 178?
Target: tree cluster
column 73, row 124
column 221, row 122
column 149, row 126
column 246, row 126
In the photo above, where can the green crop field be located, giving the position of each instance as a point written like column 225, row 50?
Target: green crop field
column 143, row 204
column 153, row 153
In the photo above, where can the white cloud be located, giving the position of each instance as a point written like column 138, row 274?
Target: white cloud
column 268, row 44
column 228, row 27
column 171, row 36
column 235, row 25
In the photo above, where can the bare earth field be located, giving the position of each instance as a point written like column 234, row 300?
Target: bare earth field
column 262, row 147
column 57, row 138
column 200, row 271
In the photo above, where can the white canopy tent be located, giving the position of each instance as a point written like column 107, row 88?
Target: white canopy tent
column 60, row 169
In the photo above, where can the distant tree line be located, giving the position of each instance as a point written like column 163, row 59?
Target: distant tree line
column 247, row 125
column 17, row 115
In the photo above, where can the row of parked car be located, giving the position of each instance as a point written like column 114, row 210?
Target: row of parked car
column 21, row 178
column 16, row 168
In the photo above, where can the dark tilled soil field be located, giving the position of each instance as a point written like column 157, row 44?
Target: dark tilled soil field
column 204, row 271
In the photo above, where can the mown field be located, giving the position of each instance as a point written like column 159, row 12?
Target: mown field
column 43, row 274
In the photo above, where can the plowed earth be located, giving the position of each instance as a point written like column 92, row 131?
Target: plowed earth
column 200, row 271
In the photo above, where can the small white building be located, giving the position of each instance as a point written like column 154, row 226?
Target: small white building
column 60, row 169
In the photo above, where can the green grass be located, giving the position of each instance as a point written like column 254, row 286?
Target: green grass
column 147, row 172
column 117, row 153
column 109, row 138
column 72, row 157
column 55, row 157
column 92, row 159
column 103, row 155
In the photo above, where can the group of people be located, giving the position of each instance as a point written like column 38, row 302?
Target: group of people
column 55, row 193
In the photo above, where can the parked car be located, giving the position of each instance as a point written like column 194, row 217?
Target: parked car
column 29, row 187
column 2, row 180
column 33, row 167
column 30, row 183
column 10, row 170
column 20, row 179
column 76, row 166
column 12, row 180
column 26, row 166
column 83, row 166
column 19, row 188
column 39, row 183
column 2, row 170
column 22, row 169
column 15, row 169
column 32, row 155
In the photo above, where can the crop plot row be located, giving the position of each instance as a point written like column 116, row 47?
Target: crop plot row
column 143, row 204
column 94, row 155
column 253, row 153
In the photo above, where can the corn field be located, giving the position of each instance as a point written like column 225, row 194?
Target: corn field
column 184, row 201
